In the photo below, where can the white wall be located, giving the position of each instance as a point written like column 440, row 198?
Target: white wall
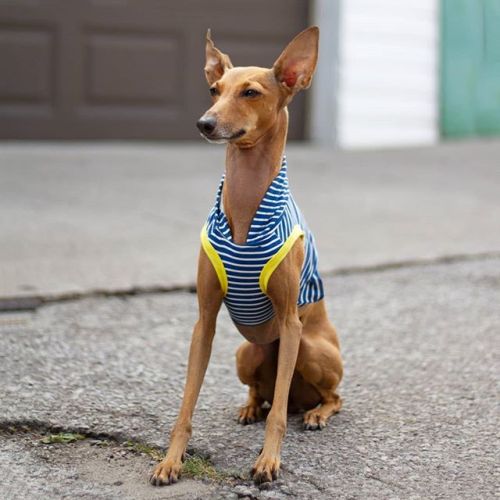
column 388, row 73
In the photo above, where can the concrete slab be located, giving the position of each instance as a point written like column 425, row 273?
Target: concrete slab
column 76, row 218
column 420, row 415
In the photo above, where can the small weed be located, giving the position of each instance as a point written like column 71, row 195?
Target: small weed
column 62, row 438
column 194, row 466
column 199, row 467
column 154, row 453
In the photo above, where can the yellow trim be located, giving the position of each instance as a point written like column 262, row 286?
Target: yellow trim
column 214, row 259
column 276, row 259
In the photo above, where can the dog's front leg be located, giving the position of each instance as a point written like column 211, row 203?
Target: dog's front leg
column 283, row 290
column 210, row 299
column 268, row 463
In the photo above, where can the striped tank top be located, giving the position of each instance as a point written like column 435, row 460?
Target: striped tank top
column 244, row 270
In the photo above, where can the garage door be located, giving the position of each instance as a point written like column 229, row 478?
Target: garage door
column 128, row 69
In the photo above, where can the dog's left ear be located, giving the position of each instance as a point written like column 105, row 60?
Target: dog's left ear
column 295, row 66
column 216, row 63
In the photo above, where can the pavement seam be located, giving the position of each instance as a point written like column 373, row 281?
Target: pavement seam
column 13, row 427
column 30, row 425
column 33, row 302
column 422, row 262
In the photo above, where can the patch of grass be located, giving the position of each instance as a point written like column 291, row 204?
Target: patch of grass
column 63, row 438
column 194, row 466
column 198, row 467
column 154, row 453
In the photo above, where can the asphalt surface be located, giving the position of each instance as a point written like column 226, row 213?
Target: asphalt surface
column 93, row 469
column 76, row 218
column 420, row 415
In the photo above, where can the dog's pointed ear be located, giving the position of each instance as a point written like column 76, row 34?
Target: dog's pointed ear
column 216, row 63
column 295, row 66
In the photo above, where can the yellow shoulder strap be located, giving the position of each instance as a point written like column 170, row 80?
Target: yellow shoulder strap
column 276, row 259
column 214, row 259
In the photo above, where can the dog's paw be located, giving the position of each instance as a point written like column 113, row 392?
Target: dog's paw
column 166, row 472
column 249, row 414
column 314, row 420
column 266, row 469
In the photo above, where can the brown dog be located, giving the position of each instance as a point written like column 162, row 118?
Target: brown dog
column 292, row 359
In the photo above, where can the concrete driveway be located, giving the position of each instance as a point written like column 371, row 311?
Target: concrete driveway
column 111, row 217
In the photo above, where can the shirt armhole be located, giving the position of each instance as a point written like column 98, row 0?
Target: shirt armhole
column 215, row 259
column 276, row 259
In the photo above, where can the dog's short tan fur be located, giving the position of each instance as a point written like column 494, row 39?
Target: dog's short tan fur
column 293, row 360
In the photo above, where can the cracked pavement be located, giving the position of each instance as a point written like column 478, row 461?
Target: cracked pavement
column 420, row 415
column 411, row 248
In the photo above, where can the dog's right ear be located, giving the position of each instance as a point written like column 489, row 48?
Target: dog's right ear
column 216, row 63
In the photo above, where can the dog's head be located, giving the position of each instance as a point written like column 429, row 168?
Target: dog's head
column 247, row 100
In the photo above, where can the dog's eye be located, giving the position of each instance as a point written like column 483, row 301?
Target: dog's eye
column 213, row 91
column 250, row 93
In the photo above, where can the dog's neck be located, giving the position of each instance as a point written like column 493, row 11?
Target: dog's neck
column 249, row 173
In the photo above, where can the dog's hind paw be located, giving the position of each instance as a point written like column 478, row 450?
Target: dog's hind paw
column 249, row 414
column 314, row 420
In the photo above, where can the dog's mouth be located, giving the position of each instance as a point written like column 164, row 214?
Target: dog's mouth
column 238, row 134
column 223, row 138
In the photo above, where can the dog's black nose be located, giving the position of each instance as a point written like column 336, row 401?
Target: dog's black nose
column 206, row 124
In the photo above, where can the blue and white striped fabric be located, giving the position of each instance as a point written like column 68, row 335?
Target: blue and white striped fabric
column 274, row 221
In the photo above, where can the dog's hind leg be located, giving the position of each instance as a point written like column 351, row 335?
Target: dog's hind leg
column 249, row 359
column 252, row 411
column 317, row 418
column 320, row 364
